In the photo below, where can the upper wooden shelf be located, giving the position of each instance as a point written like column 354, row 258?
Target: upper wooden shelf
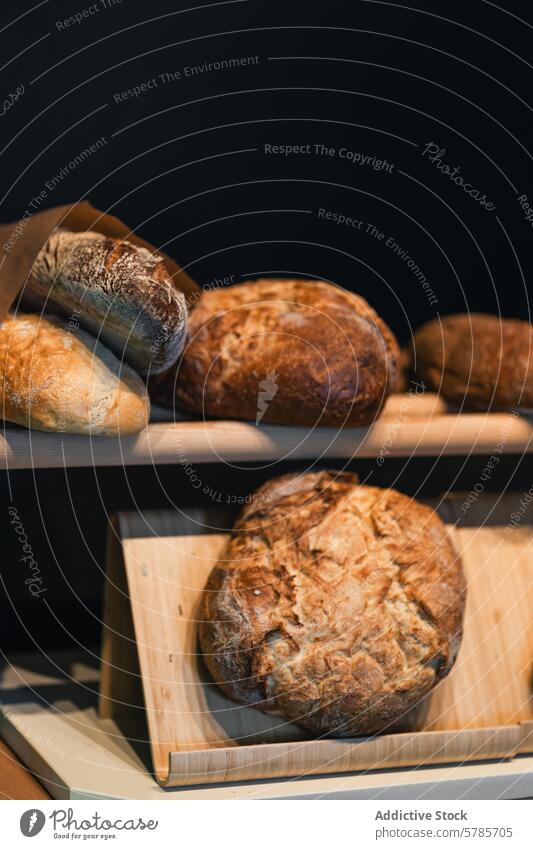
column 409, row 425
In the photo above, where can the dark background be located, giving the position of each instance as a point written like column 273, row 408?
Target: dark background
column 184, row 164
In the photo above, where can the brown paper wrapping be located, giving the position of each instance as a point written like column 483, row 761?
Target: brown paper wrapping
column 21, row 241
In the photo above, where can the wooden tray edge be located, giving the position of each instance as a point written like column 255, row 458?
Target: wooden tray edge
column 325, row 757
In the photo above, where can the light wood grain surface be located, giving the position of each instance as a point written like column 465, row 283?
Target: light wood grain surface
column 410, row 425
column 482, row 710
column 16, row 782
column 104, row 760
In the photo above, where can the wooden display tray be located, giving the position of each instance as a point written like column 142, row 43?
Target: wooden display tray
column 49, row 718
column 410, row 425
column 157, row 567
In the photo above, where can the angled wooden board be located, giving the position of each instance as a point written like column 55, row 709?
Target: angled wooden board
column 160, row 564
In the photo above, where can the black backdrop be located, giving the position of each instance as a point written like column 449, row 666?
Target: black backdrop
column 103, row 107
column 184, row 160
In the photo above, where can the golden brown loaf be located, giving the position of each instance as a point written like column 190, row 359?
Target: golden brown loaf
column 338, row 605
column 477, row 361
column 121, row 292
column 60, row 380
column 287, row 351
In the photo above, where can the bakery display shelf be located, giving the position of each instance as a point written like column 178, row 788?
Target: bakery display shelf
column 410, row 425
column 49, row 718
column 158, row 564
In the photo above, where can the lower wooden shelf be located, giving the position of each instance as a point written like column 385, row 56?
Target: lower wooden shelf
column 157, row 567
column 50, row 719
column 410, row 425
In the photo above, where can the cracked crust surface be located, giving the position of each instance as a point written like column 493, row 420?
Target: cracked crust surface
column 285, row 351
column 478, row 361
column 337, row 605
column 123, row 293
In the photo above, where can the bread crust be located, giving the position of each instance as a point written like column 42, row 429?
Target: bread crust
column 53, row 379
column 338, row 605
column 286, row 351
column 121, row 292
column 477, row 361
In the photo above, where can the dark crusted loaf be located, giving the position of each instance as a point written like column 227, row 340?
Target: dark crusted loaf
column 121, row 292
column 286, row 351
column 338, row 605
column 476, row 361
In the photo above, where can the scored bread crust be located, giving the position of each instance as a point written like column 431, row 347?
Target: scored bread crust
column 60, row 380
column 287, row 351
column 337, row 605
column 477, row 361
column 123, row 293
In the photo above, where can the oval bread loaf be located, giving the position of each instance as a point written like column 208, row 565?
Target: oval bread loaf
column 287, row 351
column 337, row 605
column 122, row 293
column 53, row 379
column 476, row 361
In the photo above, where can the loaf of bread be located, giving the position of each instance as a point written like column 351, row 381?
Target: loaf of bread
column 287, row 351
column 478, row 362
column 121, row 292
column 337, row 605
column 52, row 378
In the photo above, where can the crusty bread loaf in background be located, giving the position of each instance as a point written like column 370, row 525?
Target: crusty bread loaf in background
column 404, row 369
column 338, row 605
column 121, row 292
column 477, row 361
column 287, row 351
column 59, row 380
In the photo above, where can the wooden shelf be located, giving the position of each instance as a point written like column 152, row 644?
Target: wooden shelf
column 155, row 581
column 78, row 755
column 410, row 425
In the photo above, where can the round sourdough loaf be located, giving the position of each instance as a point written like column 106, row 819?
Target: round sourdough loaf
column 337, row 605
column 287, row 351
column 64, row 380
column 477, row 361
